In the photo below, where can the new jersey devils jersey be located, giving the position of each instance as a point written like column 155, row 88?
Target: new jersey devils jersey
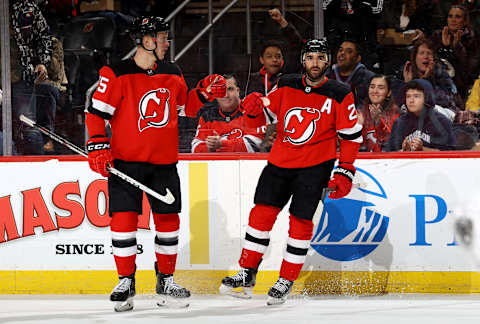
column 141, row 106
column 232, row 129
column 310, row 120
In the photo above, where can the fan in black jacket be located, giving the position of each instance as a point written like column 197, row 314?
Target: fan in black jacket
column 421, row 128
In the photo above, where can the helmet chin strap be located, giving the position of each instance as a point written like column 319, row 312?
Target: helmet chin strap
column 152, row 50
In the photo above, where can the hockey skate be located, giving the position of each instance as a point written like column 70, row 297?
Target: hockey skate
column 123, row 294
column 244, row 279
column 169, row 293
column 279, row 292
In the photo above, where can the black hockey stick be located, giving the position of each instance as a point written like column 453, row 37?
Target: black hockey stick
column 168, row 198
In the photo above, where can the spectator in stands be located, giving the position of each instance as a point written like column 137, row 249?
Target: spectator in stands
column 412, row 17
column 472, row 7
column 221, row 125
column 32, row 93
column 378, row 114
column 353, row 19
column 422, row 65
column 207, row 90
column 349, row 70
column 294, row 40
column 457, row 43
column 272, row 60
column 422, row 128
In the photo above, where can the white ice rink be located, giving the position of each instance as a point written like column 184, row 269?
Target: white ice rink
column 411, row 309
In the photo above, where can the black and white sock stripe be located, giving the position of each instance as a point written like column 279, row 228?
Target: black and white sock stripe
column 256, row 240
column 296, row 251
column 166, row 242
column 124, row 244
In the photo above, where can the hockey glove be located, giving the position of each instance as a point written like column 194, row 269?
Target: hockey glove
column 341, row 182
column 213, row 86
column 99, row 154
column 252, row 104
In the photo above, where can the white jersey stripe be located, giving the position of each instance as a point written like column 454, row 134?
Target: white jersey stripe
column 349, row 131
column 103, row 107
column 270, row 116
column 252, row 147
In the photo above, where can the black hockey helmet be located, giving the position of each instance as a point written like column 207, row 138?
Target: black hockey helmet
column 147, row 25
column 315, row 45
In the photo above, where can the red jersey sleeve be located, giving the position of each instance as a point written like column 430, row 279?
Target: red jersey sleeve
column 194, row 102
column 107, row 96
column 348, row 129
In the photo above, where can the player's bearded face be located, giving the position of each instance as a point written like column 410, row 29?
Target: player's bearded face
column 315, row 65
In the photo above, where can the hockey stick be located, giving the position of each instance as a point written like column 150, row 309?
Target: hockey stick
column 168, row 198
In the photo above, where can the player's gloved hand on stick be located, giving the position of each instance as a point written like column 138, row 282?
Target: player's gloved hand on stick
column 341, row 182
column 99, row 154
column 212, row 86
column 253, row 104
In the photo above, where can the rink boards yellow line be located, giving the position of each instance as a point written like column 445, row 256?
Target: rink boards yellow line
column 198, row 196
column 207, row 282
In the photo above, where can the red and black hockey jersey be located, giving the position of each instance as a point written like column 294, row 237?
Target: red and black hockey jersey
column 141, row 106
column 309, row 121
column 231, row 127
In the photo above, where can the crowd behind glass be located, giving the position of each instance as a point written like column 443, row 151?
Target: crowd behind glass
column 377, row 49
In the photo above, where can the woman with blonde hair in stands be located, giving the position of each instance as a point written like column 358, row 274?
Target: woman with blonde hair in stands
column 378, row 114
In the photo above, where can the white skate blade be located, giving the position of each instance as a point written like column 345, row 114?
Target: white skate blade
column 124, row 306
column 171, row 302
column 244, row 293
column 272, row 301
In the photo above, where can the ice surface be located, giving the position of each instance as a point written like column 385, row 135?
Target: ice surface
column 389, row 309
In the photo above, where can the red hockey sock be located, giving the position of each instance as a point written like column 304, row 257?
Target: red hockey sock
column 299, row 236
column 257, row 238
column 166, row 241
column 123, row 227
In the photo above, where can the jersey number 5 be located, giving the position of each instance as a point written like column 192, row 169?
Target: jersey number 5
column 102, row 84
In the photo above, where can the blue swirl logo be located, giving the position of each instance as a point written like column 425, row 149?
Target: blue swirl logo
column 350, row 229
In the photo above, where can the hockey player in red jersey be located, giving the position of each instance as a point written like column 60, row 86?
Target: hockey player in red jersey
column 312, row 112
column 141, row 99
column 221, row 125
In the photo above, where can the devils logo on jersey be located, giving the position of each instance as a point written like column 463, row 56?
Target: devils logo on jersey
column 300, row 124
column 234, row 133
column 154, row 109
